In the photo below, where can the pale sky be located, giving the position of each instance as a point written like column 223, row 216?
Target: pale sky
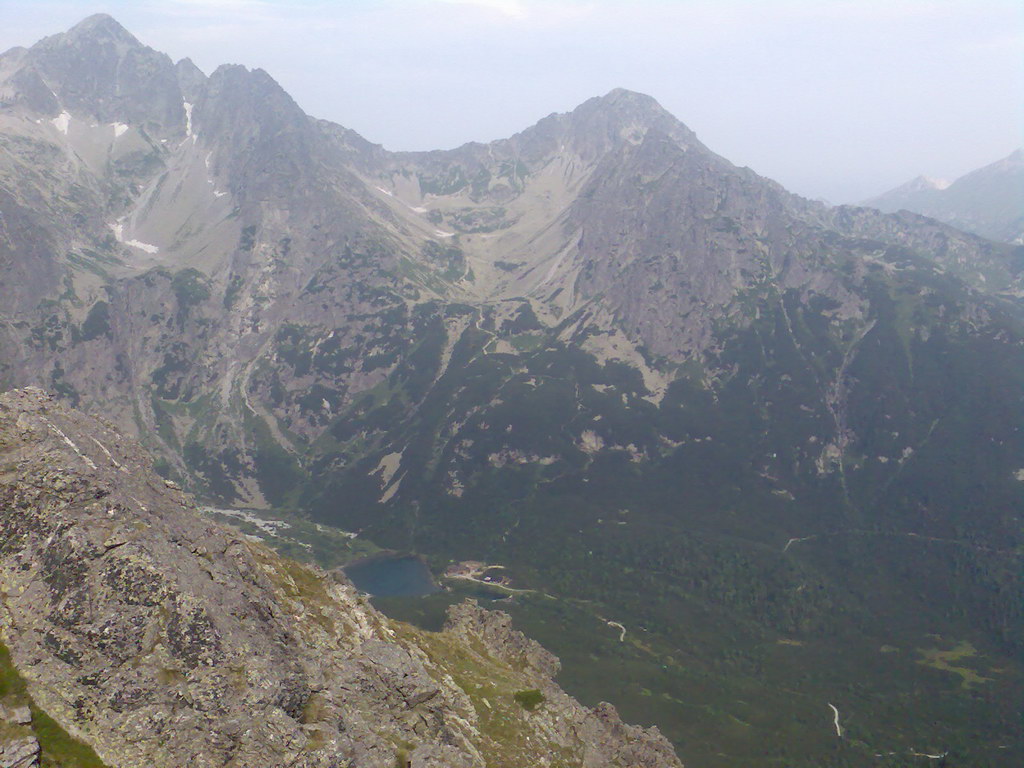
column 838, row 99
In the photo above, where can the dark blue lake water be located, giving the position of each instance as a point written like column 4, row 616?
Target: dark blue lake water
column 392, row 576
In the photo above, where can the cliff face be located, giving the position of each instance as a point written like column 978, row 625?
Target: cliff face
column 160, row 639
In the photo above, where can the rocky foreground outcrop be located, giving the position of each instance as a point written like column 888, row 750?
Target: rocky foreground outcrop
column 19, row 747
column 161, row 639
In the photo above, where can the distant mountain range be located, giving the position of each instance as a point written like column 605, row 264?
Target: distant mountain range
column 988, row 201
column 747, row 456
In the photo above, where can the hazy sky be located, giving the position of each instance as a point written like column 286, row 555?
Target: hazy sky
column 833, row 98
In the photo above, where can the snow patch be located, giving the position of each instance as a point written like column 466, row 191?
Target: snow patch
column 119, row 129
column 148, row 248
column 211, row 182
column 325, row 529
column 413, row 208
column 188, row 118
column 61, row 122
column 119, row 235
column 441, row 233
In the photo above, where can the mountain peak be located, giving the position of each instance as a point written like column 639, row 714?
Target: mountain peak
column 901, row 196
column 624, row 96
column 99, row 69
column 927, row 182
column 626, row 103
column 101, row 27
column 628, row 115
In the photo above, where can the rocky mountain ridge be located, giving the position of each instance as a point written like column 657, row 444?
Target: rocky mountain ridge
column 240, row 217
column 158, row 638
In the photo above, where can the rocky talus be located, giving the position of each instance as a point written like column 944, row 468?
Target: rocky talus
column 158, row 638
column 19, row 747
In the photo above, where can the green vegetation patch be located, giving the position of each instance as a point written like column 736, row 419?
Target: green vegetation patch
column 57, row 747
column 88, row 265
column 97, row 322
column 529, row 699
column 491, row 686
column 446, row 183
column 191, row 288
column 300, row 583
column 946, row 661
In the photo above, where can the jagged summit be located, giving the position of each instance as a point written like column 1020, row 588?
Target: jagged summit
column 191, row 79
column 186, row 64
column 100, row 71
column 634, row 100
column 101, row 27
column 630, row 114
column 99, row 35
column 927, row 182
column 621, row 118
column 239, row 73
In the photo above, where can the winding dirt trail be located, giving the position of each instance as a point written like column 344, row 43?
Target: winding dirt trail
column 835, row 719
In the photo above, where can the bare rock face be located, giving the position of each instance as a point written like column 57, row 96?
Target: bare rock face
column 608, row 741
column 19, row 753
column 19, row 747
column 494, row 629
column 161, row 639
column 99, row 68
